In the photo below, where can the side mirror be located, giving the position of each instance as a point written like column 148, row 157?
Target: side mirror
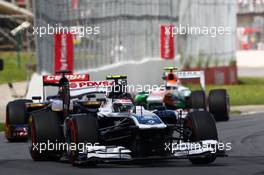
column 1, row 64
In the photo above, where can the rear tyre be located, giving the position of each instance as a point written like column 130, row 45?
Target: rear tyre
column 16, row 114
column 44, row 128
column 202, row 126
column 198, row 100
column 82, row 130
column 219, row 104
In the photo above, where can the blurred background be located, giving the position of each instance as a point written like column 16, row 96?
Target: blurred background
column 133, row 25
column 130, row 29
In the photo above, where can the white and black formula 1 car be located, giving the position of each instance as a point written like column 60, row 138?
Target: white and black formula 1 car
column 116, row 130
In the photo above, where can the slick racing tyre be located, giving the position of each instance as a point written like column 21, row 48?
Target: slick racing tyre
column 45, row 129
column 198, row 100
column 219, row 104
column 16, row 114
column 202, row 127
column 82, row 130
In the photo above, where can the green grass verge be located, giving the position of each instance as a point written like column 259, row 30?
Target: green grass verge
column 12, row 72
column 249, row 91
column 235, row 112
column 2, row 126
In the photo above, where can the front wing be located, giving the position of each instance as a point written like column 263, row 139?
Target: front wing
column 119, row 153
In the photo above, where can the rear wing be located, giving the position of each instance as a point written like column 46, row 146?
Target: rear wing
column 186, row 75
column 79, row 83
column 53, row 80
column 192, row 75
column 90, row 84
column 85, row 87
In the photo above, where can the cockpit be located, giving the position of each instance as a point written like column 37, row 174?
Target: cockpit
column 122, row 107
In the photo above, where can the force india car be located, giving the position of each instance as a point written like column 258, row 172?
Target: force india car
column 110, row 128
column 173, row 95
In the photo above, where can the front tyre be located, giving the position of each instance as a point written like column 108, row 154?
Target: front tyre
column 44, row 128
column 202, row 127
column 82, row 131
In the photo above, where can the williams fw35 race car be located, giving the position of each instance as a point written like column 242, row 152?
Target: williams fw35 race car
column 173, row 95
column 103, row 125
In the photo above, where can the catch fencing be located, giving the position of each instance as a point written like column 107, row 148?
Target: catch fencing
column 130, row 30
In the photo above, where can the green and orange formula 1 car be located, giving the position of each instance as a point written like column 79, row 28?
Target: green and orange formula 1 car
column 173, row 95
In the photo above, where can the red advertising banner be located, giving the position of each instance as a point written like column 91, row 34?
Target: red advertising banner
column 74, row 4
column 166, row 42
column 63, row 56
